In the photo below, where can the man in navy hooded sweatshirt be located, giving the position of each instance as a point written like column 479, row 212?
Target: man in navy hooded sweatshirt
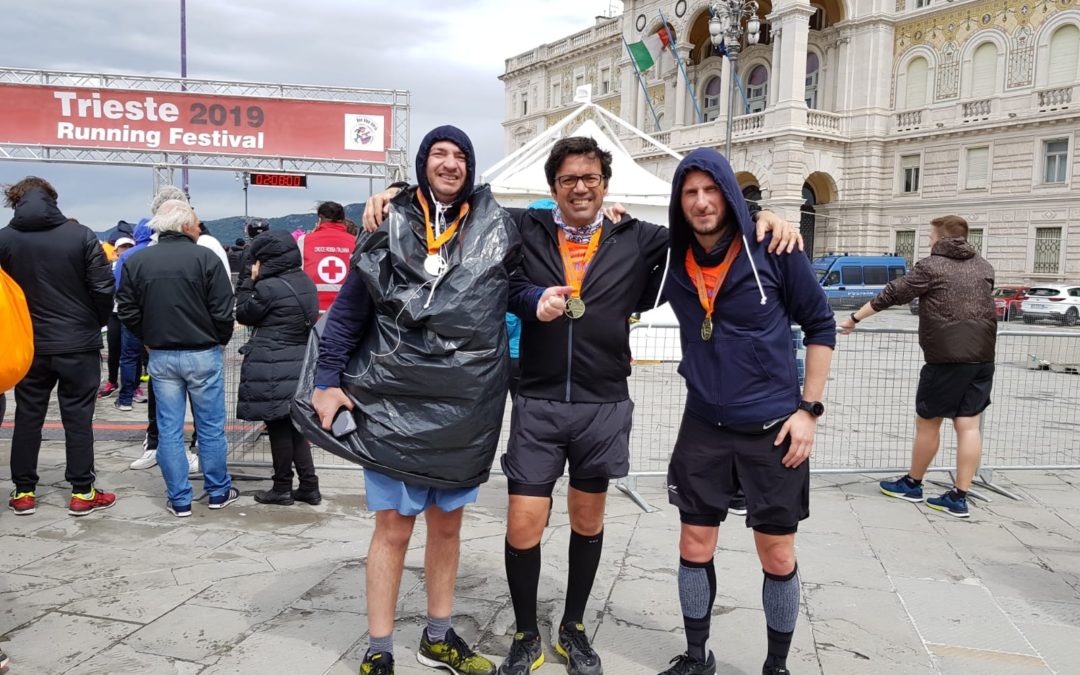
column 746, row 423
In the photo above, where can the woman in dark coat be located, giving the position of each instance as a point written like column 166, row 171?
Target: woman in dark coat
column 280, row 302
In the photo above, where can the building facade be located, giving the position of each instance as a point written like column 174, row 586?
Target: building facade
column 865, row 119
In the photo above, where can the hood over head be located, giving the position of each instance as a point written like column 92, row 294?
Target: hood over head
column 458, row 138
column 716, row 165
column 37, row 211
column 276, row 251
column 958, row 249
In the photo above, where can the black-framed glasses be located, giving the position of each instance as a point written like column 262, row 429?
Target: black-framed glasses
column 591, row 180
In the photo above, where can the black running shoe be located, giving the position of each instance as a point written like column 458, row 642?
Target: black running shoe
column 775, row 670
column 526, row 655
column 573, row 645
column 684, row 664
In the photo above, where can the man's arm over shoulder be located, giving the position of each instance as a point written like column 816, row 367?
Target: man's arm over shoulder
column 903, row 290
column 219, row 297
column 99, row 278
column 346, row 322
column 654, row 241
column 806, row 301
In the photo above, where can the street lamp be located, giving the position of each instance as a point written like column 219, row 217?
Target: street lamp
column 725, row 27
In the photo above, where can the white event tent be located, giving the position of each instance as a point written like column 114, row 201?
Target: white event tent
column 519, row 180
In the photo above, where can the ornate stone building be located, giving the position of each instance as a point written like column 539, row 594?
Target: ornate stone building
column 865, row 118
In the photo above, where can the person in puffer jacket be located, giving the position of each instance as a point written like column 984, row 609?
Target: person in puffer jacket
column 281, row 303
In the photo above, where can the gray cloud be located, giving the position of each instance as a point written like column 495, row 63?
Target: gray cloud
column 448, row 55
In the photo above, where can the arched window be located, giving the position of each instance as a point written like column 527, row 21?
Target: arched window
column 812, row 68
column 917, row 72
column 984, row 70
column 1064, row 55
column 757, row 88
column 712, row 98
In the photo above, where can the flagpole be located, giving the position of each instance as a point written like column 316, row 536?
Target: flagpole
column 686, row 76
column 645, row 91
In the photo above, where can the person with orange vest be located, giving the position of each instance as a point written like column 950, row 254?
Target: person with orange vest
column 326, row 252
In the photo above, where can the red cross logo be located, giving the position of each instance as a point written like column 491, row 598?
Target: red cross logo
column 332, row 269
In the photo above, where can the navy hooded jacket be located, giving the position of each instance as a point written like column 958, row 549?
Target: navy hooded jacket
column 142, row 235
column 745, row 374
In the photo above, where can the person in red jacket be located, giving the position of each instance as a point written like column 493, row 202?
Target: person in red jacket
column 326, row 252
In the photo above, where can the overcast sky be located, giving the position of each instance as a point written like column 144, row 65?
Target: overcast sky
column 447, row 54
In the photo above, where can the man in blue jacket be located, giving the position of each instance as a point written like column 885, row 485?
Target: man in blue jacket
column 745, row 422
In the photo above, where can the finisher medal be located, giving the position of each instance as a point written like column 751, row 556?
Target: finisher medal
column 575, row 308
column 706, row 329
column 434, row 265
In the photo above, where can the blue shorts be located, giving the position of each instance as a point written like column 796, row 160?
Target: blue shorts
column 390, row 494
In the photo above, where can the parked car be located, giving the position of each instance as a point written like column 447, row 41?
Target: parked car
column 1059, row 303
column 1008, row 301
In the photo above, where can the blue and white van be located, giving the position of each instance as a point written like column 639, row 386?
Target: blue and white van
column 852, row 280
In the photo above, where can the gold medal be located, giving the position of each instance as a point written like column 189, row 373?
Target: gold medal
column 706, row 329
column 575, row 308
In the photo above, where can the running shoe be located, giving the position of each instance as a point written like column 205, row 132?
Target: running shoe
column 453, row 654
column 526, row 655
column 95, row 500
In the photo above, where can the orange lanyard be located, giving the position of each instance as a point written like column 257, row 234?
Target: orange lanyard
column 705, row 297
column 574, row 275
column 435, row 243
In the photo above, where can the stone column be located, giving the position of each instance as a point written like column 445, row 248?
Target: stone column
column 681, row 90
column 788, row 77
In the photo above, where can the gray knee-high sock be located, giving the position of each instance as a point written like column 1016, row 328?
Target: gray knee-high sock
column 697, row 591
column 780, row 600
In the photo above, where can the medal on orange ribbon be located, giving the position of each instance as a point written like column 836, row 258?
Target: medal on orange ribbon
column 435, row 264
column 706, row 295
column 575, row 273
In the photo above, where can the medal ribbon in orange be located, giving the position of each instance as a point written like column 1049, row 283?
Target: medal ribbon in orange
column 575, row 277
column 435, row 243
column 707, row 299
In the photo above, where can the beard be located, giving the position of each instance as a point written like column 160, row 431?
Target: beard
column 706, row 230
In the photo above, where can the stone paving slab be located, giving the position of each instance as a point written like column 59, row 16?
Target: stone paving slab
column 888, row 586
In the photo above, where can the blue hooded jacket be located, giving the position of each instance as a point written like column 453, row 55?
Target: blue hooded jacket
column 745, row 374
column 142, row 236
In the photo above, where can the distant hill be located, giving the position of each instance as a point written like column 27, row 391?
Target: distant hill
column 228, row 230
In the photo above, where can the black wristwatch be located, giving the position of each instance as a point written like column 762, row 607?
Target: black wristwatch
column 815, row 408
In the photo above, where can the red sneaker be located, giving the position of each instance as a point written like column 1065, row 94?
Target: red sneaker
column 88, row 503
column 107, row 390
column 22, row 503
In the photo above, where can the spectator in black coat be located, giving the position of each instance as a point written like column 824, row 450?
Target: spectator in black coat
column 280, row 301
column 62, row 269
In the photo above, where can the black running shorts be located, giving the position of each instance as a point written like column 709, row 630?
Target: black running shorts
column 544, row 435
column 954, row 389
column 710, row 463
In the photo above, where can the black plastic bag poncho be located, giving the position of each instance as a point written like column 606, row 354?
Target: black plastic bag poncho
column 429, row 378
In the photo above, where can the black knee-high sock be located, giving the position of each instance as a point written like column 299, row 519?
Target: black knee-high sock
column 780, row 599
column 697, row 592
column 584, row 560
column 523, row 576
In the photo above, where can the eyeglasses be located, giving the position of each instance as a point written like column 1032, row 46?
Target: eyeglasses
column 591, row 180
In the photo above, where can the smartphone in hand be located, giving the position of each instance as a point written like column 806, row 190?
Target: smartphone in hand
column 344, row 423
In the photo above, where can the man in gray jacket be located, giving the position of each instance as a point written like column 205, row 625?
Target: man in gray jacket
column 958, row 334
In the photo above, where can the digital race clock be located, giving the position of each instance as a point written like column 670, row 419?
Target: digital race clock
column 291, row 180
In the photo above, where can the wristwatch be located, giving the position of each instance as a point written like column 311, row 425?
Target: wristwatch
column 815, row 408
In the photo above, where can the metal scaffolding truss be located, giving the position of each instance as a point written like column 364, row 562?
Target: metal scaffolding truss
column 394, row 168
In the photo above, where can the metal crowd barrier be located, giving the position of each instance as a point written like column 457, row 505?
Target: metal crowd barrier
column 1034, row 422
column 868, row 427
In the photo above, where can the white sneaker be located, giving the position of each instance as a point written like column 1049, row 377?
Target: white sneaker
column 193, row 463
column 148, row 460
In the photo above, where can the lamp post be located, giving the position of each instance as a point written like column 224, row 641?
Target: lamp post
column 725, row 27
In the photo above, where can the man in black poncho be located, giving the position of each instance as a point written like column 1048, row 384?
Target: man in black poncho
column 415, row 346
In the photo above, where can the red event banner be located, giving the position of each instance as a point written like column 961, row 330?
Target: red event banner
column 199, row 123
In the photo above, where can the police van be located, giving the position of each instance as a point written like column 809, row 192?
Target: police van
column 850, row 281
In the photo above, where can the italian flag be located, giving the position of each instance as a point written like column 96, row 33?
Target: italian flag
column 647, row 52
